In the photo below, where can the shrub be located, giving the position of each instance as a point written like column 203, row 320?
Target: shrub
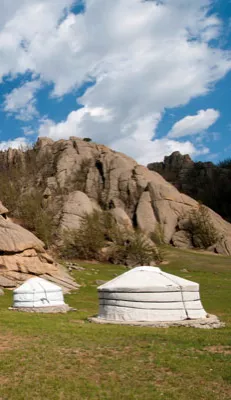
column 121, row 245
column 87, row 241
column 35, row 218
column 44, row 226
column 140, row 250
column 204, row 233
column 225, row 163
column 158, row 235
column 131, row 247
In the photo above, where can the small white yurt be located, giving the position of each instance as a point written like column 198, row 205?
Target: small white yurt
column 148, row 294
column 40, row 294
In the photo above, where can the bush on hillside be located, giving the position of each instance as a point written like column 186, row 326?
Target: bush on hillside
column 87, row 241
column 35, row 218
column 27, row 209
column 133, row 248
column 209, row 184
column 225, row 163
column 204, row 233
column 158, row 235
column 21, row 193
column 99, row 237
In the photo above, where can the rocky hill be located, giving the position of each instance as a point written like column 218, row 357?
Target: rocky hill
column 74, row 177
column 22, row 256
column 204, row 181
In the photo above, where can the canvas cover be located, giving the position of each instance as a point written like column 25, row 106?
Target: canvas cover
column 37, row 292
column 149, row 294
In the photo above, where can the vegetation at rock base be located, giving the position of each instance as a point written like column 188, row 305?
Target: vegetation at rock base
column 158, row 235
column 66, row 357
column 100, row 237
column 133, row 248
column 201, row 228
column 87, row 241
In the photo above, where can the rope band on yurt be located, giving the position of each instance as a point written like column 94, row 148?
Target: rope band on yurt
column 181, row 292
column 46, row 296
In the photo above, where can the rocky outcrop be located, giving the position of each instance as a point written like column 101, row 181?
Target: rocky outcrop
column 84, row 176
column 75, row 207
column 174, row 168
column 121, row 217
column 22, row 256
column 182, row 239
column 15, row 239
column 204, row 181
column 145, row 217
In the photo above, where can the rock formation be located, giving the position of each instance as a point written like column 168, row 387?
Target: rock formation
column 22, row 256
column 204, row 181
column 76, row 177
column 174, row 168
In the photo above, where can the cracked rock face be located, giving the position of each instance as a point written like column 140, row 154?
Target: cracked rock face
column 22, row 256
column 91, row 176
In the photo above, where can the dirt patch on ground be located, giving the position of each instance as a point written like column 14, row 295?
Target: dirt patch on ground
column 218, row 349
column 3, row 381
column 11, row 342
column 77, row 321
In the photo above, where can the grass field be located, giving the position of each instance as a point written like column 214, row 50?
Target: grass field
column 64, row 357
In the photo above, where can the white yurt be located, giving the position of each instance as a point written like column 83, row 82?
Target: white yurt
column 148, row 294
column 39, row 294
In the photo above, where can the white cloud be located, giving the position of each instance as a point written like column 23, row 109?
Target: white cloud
column 21, row 101
column 194, row 124
column 144, row 56
column 148, row 151
column 17, row 143
column 135, row 142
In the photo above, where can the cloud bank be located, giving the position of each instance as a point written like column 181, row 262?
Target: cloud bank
column 144, row 57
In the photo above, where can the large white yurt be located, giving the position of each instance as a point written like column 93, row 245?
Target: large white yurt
column 38, row 293
column 148, row 294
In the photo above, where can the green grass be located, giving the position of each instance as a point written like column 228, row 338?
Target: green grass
column 57, row 357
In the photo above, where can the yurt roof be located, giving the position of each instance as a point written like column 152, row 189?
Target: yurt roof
column 3, row 209
column 148, row 279
column 37, row 285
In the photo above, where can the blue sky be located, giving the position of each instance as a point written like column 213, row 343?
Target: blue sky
column 141, row 77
